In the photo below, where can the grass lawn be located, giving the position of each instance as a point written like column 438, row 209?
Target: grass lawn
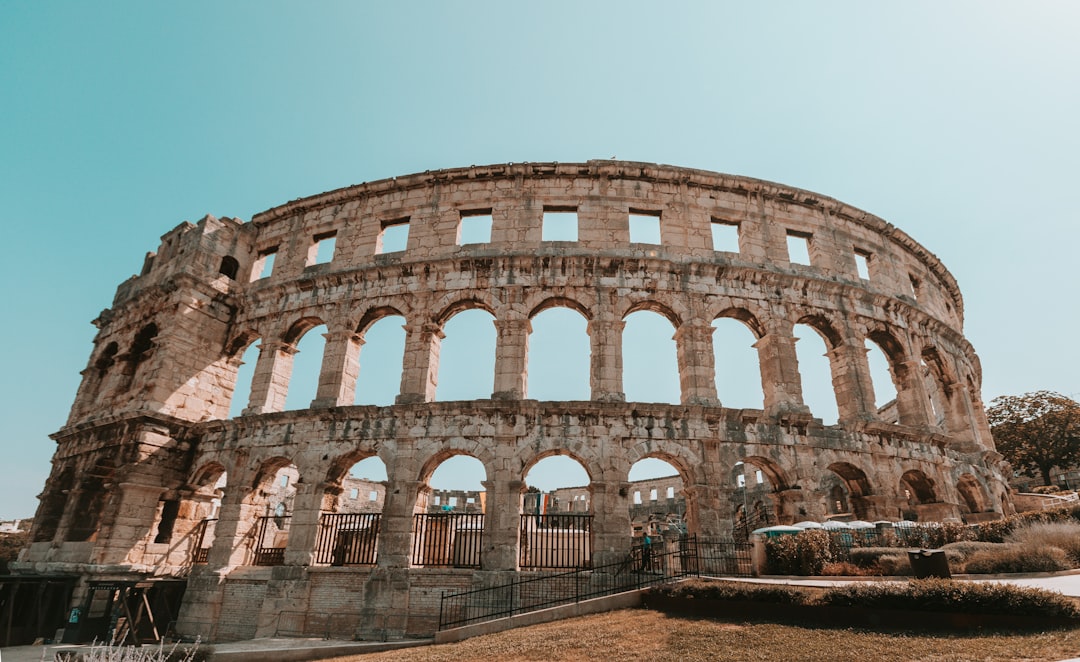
column 634, row 635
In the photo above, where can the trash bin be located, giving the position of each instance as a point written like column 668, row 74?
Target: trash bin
column 929, row 563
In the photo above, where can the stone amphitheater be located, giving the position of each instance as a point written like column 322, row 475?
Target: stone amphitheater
column 153, row 481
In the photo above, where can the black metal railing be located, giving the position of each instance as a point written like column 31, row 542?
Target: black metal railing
column 203, row 535
column 555, row 541
column 448, row 539
column 271, row 538
column 347, row 538
column 660, row 561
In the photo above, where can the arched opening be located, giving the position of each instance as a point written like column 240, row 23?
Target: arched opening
column 141, row 347
column 738, row 366
column 559, row 355
column 917, row 489
column 466, row 366
column 555, row 530
column 846, row 487
column 351, row 512
column 657, row 501
column 53, row 501
column 448, row 519
column 245, row 374
column 937, row 378
column 756, row 481
column 973, row 499
column 93, row 489
column 650, row 360
column 197, row 517
column 881, row 376
column 272, row 501
column 229, row 267
column 816, row 373
column 378, row 380
column 303, row 380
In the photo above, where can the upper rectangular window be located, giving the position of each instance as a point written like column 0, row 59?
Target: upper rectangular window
column 264, row 264
column 560, row 224
column 321, row 250
column 798, row 247
column 862, row 264
column 373, row 495
column 652, row 494
column 475, row 227
column 725, row 236
column 644, row 227
column 393, row 237
column 354, row 493
column 915, row 283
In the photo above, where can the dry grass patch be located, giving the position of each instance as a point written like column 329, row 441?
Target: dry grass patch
column 635, row 635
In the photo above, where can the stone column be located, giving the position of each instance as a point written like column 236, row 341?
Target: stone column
column 420, row 372
column 781, row 383
column 502, row 522
column 340, row 367
column 605, row 369
column 697, row 370
column 270, row 384
column 704, row 515
column 851, row 381
column 395, row 527
column 912, row 399
column 511, row 352
column 611, row 521
column 234, row 528
column 308, row 505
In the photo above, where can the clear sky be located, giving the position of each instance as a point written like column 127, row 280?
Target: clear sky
column 956, row 121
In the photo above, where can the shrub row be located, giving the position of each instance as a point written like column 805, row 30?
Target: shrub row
column 934, row 595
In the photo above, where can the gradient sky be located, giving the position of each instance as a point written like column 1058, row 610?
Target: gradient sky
column 955, row 121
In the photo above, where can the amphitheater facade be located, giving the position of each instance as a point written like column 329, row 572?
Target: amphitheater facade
column 153, row 480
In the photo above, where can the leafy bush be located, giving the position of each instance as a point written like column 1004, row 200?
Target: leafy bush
column 725, row 590
column 1046, row 489
column 945, row 595
column 804, row 553
column 1063, row 535
column 846, row 569
column 998, row 530
column 1018, row 558
column 960, row 552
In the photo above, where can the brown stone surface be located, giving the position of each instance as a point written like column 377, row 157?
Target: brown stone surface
column 138, row 464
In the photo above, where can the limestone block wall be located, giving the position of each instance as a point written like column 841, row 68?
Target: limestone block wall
column 149, row 437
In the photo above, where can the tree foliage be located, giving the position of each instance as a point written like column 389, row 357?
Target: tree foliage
column 1036, row 431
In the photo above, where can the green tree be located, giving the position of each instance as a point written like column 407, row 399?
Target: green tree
column 1036, row 431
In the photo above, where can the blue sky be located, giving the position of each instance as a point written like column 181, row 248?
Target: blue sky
column 956, row 121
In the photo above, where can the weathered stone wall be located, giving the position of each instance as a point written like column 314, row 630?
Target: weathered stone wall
column 138, row 464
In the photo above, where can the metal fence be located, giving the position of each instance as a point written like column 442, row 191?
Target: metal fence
column 204, row 539
column 448, row 539
column 347, row 538
column 556, row 541
column 721, row 557
column 271, row 538
column 661, row 561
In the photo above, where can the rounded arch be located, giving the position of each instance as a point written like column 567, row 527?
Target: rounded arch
column 475, row 451
column 267, row 469
column 340, row 466
column 561, row 302
column 654, row 306
column 375, row 314
column 240, row 342
column 298, row 328
column 107, row 357
column 824, row 328
column 939, row 367
column 888, row 342
column 207, row 473
column 678, row 456
column 919, row 487
column 746, row 317
column 773, row 472
column 973, row 494
column 229, row 266
column 456, row 306
column 592, row 469
column 857, row 483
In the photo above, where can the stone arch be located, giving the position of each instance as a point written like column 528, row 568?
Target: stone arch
column 375, row 314
column 746, row 317
column 461, row 304
column 851, row 486
column 456, row 447
column 919, row 486
column 560, row 302
column 240, row 342
column 824, row 328
column 670, row 506
column 654, row 306
column 340, row 465
column 300, row 327
column 591, row 467
column 53, row 501
column 974, row 498
column 93, row 488
column 106, row 359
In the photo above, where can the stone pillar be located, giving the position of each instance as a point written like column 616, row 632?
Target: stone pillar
column 912, row 399
column 395, row 528
column 308, row 505
column 780, row 380
column 605, row 369
column 135, row 510
column 704, row 512
column 420, row 372
column 234, row 529
column 270, row 384
column 340, row 367
column 511, row 352
column 697, row 371
column 502, row 519
column 611, row 521
column 851, row 381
